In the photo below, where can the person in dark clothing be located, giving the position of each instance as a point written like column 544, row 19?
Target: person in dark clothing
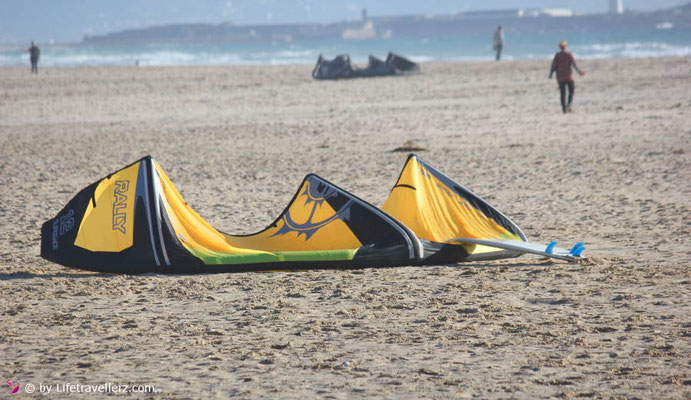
column 498, row 41
column 34, row 55
column 562, row 64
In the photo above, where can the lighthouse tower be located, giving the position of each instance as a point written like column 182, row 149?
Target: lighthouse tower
column 616, row 6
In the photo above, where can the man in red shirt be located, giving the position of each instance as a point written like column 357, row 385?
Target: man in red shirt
column 562, row 64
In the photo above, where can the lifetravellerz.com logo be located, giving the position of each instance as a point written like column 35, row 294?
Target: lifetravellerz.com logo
column 69, row 387
column 14, row 387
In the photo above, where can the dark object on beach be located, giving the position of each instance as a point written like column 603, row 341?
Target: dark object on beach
column 342, row 68
column 409, row 146
column 402, row 64
column 339, row 67
column 377, row 67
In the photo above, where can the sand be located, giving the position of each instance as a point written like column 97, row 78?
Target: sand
column 238, row 140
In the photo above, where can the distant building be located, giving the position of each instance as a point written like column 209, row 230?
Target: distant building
column 492, row 14
column 366, row 32
column 548, row 12
column 616, row 6
column 518, row 12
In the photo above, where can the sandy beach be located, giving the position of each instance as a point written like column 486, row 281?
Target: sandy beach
column 237, row 140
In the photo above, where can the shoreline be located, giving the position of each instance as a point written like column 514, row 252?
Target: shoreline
column 69, row 55
column 311, row 65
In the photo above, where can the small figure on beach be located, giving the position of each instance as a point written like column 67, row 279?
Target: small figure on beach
column 562, row 64
column 498, row 41
column 34, row 55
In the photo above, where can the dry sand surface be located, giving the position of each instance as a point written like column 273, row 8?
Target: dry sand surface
column 238, row 140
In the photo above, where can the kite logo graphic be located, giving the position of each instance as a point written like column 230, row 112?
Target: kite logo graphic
column 14, row 388
column 120, row 206
column 61, row 226
column 66, row 222
column 316, row 195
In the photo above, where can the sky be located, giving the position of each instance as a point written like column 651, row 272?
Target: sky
column 69, row 20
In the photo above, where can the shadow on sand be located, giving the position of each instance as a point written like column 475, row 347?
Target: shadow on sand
column 30, row 275
column 79, row 275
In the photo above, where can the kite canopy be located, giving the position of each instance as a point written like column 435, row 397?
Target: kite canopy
column 377, row 67
column 338, row 68
column 135, row 221
column 401, row 64
column 341, row 67
column 438, row 210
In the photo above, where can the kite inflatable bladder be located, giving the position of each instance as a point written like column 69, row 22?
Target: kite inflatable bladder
column 135, row 221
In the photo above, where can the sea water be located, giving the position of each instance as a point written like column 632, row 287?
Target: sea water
column 651, row 41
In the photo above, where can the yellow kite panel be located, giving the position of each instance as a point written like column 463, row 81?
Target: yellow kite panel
column 108, row 222
column 436, row 212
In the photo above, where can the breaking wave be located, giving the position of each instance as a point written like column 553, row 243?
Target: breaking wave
column 77, row 57
column 632, row 50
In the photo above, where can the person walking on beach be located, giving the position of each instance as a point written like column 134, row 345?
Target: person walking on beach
column 499, row 41
column 562, row 64
column 34, row 55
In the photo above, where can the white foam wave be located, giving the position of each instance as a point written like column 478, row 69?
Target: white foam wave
column 632, row 50
column 81, row 57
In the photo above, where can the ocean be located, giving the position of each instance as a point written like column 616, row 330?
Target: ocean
column 661, row 40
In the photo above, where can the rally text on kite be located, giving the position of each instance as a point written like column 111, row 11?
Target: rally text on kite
column 120, row 206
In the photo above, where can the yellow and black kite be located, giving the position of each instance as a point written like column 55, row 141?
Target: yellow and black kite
column 135, row 220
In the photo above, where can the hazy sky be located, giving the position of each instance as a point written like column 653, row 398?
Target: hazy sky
column 70, row 20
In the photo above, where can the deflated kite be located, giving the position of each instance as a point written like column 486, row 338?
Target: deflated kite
column 135, row 221
column 342, row 68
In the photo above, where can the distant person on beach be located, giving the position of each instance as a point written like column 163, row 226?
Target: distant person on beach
column 34, row 55
column 499, row 41
column 562, row 64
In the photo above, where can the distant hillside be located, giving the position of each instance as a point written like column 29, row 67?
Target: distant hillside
column 412, row 25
